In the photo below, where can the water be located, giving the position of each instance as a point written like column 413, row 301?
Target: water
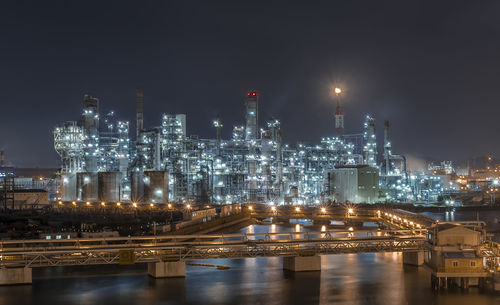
column 345, row 279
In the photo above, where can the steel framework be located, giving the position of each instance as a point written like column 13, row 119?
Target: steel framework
column 43, row 253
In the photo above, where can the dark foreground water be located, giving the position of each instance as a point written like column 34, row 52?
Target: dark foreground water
column 344, row 279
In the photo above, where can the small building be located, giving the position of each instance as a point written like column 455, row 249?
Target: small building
column 230, row 209
column 201, row 215
column 30, row 198
column 354, row 183
column 58, row 235
column 454, row 258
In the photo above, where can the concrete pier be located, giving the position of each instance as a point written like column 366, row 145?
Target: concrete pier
column 302, row 263
column 414, row 258
column 15, row 276
column 167, row 269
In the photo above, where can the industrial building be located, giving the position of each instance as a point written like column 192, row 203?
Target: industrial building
column 100, row 161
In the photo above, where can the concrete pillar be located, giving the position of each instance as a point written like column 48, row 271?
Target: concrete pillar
column 13, row 276
column 302, row 263
column 414, row 258
column 167, row 269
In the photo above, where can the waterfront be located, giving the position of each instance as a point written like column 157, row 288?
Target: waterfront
column 345, row 279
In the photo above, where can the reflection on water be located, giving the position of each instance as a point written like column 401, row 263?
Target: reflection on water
column 297, row 228
column 345, row 279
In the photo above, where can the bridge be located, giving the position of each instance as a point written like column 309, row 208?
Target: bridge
column 349, row 215
column 165, row 255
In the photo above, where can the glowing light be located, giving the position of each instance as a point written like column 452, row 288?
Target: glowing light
column 250, row 207
column 151, row 205
column 297, row 228
column 103, row 203
column 351, row 229
column 88, row 203
column 297, row 209
column 169, row 205
column 134, row 205
column 323, row 210
column 118, row 204
column 338, row 90
column 188, row 206
column 350, row 211
column 273, row 209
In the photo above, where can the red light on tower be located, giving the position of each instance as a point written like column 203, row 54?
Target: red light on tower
column 252, row 94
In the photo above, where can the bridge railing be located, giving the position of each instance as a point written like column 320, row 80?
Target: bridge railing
column 12, row 246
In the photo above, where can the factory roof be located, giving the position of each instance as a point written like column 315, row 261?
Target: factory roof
column 464, row 254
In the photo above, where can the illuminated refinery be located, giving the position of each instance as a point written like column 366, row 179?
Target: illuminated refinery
column 100, row 162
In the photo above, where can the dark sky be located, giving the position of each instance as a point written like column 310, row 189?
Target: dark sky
column 431, row 68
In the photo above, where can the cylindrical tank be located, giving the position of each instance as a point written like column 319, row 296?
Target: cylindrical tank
column 86, row 186
column 137, row 186
column 68, row 187
column 156, row 186
column 109, row 186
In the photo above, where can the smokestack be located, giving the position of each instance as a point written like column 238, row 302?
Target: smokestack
column 252, row 115
column 2, row 158
column 339, row 114
column 387, row 144
column 139, row 114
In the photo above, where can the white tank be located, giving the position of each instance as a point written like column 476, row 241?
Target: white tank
column 109, row 186
column 86, row 186
column 68, row 187
column 137, row 186
column 156, row 186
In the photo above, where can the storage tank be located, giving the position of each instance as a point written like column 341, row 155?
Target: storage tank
column 68, row 187
column 109, row 186
column 137, row 186
column 156, row 186
column 86, row 186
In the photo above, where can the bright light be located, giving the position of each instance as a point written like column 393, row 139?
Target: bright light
column 350, row 211
column 297, row 228
column 151, row 205
column 273, row 209
column 351, row 229
column 88, row 203
column 250, row 207
column 323, row 210
column 169, row 205
column 118, row 204
column 297, row 209
column 188, row 206
column 134, row 205
column 338, row 90
column 103, row 203
column 74, row 203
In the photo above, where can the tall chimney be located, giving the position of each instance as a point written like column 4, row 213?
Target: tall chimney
column 139, row 114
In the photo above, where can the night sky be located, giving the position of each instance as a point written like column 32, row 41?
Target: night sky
column 431, row 68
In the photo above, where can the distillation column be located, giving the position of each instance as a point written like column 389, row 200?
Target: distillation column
column 252, row 108
column 370, row 148
column 387, row 149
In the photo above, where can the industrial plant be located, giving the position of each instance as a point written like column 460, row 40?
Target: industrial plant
column 100, row 161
